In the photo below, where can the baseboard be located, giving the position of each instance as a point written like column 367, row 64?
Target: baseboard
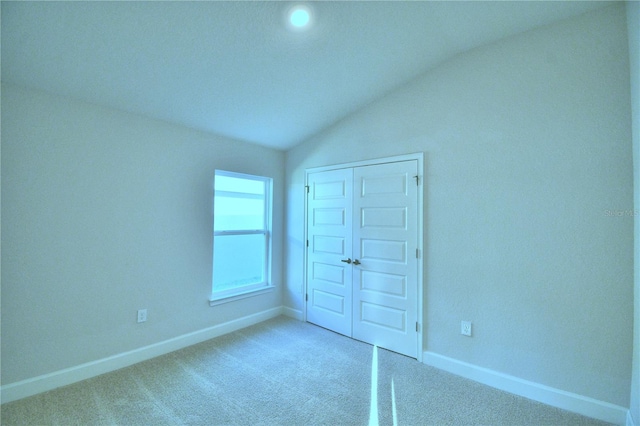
column 292, row 313
column 46, row 382
column 555, row 397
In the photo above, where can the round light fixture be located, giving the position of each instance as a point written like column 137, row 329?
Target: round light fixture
column 299, row 17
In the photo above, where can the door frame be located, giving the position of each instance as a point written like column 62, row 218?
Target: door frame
column 419, row 157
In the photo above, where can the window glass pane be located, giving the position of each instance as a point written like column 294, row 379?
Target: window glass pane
column 236, row 184
column 239, row 260
column 238, row 213
column 239, row 203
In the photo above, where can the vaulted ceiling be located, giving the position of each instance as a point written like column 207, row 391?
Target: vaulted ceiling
column 236, row 68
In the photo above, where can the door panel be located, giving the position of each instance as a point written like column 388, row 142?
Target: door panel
column 372, row 185
column 383, row 251
column 328, row 302
column 328, row 217
column 387, row 284
column 384, row 217
column 328, row 273
column 328, row 244
column 385, row 240
column 382, row 316
column 329, row 280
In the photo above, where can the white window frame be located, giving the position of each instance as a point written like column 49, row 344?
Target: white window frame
column 231, row 294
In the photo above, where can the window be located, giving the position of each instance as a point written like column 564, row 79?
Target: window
column 241, row 235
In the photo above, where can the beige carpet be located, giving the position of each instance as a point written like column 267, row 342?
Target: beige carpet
column 280, row 372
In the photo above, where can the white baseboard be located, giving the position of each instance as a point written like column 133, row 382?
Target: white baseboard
column 551, row 396
column 292, row 313
column 46, row 382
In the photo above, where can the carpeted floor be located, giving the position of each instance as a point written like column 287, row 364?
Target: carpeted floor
column 280, row 372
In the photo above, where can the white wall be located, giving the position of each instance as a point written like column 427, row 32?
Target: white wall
column 633, row 28
column 527, row 154
column 104, row 213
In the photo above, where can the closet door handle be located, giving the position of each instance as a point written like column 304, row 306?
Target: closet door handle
column 356, row 262
column 348, row 260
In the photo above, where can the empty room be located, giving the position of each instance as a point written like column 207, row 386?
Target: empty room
column 281, row 213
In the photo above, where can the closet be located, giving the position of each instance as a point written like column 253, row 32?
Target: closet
column 363, row 259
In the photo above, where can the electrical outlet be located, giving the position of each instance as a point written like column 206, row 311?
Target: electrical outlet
column 465, row 328
column 142, row 315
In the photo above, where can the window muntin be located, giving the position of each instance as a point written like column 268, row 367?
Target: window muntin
column 241, row 237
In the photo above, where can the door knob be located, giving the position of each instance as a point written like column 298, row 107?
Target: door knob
column 348, row 260
column 356, row 262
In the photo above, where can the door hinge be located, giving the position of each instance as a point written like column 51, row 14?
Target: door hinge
column 417, row 327
column 306, row 297
column 417, row 253
column 417, row 178
column 307, row 188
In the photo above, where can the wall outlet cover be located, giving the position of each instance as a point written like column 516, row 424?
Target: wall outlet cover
column 465, row 328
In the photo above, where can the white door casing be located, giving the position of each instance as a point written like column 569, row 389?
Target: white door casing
column 367, row 215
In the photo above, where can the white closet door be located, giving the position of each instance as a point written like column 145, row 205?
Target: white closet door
column 362, row 266
column 385, row 242
column 329, row 230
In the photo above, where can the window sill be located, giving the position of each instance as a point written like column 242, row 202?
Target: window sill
column 214, row 301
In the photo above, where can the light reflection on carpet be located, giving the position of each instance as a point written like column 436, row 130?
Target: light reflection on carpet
column 373, row 408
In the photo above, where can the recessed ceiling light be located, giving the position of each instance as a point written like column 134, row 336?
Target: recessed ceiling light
column 300, row 17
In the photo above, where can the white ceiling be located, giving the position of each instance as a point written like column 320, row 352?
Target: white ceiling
column 235, row 69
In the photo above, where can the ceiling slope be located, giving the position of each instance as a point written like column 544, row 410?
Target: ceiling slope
column 235, row 68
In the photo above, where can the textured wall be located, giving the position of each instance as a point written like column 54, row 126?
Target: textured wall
column 633, row 28
column 104, row 213
column 529, row 182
